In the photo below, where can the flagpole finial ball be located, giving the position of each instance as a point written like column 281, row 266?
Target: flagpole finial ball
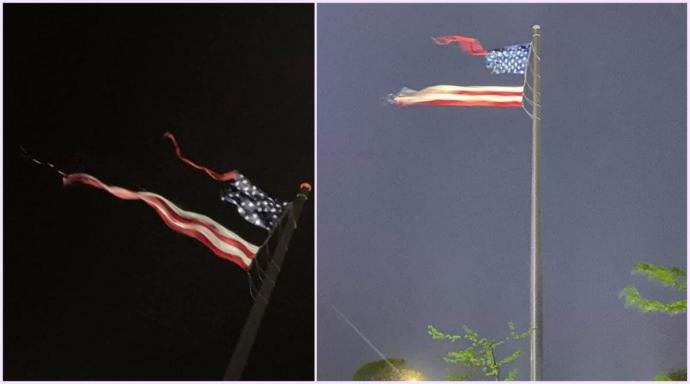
column 306, row 186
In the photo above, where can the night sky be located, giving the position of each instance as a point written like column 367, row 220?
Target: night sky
column 423, row 212
column 99, row 288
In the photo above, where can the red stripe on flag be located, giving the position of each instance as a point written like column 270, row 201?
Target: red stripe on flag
column 230, row 175
column 461, row 96
column 215, row 231
column 199, row 227
column 200, row 237
column 485, row 93
column 467, row 44
column 456, row 103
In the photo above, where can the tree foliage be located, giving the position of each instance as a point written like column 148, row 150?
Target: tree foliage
column 669, row 277
column 479, row 357
column 673, row 277
column 679, row 375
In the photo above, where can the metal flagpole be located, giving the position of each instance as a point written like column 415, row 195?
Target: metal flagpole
column 244, row 345
column 536, row 312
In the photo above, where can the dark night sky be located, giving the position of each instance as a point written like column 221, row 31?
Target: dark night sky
column 424, row 212
column 99, row 288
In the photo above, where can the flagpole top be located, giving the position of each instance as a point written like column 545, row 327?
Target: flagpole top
column 304, row 190
column 305, row 187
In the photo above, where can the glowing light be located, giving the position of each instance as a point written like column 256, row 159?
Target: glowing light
column 411, row 375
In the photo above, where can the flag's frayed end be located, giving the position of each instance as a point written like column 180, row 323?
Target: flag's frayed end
column 25, row 154
column 226, row 176
column 389, row 99
column 394, row 98
column 468, row 44
column 405, row 92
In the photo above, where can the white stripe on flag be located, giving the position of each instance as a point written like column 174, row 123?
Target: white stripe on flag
column 472, row 88
column 223, row 242
column 462, row 96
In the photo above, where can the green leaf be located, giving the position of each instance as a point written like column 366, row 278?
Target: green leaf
column 511, row 329
column 669, row 277
column 434, row 333
column 512, row 375
column 480, row 354
column 509, row 359
column 467, row 356
column 438, row 335
column 489, row 359
column 459, row 376
column 524, row 335
column 471, row 335
column 634, row 300
column 678, row 375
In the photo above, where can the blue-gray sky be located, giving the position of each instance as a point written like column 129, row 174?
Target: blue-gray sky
column 423, row 212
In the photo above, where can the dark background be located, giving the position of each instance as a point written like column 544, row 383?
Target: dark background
column 424, row 212
column 100, row 288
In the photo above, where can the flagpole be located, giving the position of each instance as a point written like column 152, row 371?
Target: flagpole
column 536, row 298
column 244, row 345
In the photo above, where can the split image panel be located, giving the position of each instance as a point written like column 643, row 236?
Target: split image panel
column 113, row 284
column 499, row 192
column 425, row 195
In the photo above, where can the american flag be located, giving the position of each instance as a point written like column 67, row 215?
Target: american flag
column 461, row 96
column 511, row 59
column 253, row 204
column 221, row 241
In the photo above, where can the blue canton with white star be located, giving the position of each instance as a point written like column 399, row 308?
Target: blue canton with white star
column 253, row 204
column 510, row 59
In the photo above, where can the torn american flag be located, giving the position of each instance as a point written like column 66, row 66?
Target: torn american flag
column 460, row 96
column 511, row 59
column 221, row 241
column 253, row 204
